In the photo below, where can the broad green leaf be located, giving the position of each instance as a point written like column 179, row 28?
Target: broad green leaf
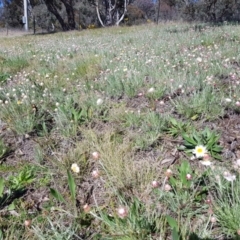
column 182, row 147
column 175, row 234
column 217, row 156
column 189, row 145
column 172, row 222
column 72, row 185
column 173, row 121
column 197, row 138
column 57, row 195
column 1, row 186
column 217, row 149
column 195, row 117
column 210, row 143
column 11, row 206
column 1, row 235
column 189, row 139
column 173, row 181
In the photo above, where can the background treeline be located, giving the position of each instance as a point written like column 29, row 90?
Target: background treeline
column 54, row 15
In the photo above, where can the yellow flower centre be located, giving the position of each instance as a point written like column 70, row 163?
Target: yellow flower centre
column 199, row 150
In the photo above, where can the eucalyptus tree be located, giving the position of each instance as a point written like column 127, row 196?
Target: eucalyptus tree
column 110, row 12
column 54, row 6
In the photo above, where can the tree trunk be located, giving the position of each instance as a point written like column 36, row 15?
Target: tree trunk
column 112, row 11
column 70, row 13
column 109, row 19
column 52, row 8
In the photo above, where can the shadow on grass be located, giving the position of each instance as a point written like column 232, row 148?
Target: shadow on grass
column 46, row 33
column 8, row 198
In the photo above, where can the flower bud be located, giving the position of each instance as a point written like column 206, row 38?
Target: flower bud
column 95, row 174
column 86, row 208
column 122, row 212
column 155, row 184
column 95, row 155
column 27, row 223
column 189, row 176
column 206, row 156
column 208, row 201
column 167, row 187
column 168, row 172
column 213, row 219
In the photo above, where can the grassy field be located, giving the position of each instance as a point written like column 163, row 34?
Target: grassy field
column 128, row 133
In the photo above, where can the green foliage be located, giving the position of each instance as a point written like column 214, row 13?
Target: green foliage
column 207, row 138
column 130, row 131
column 1, row 187
column 136, row 225
column 16, row 186
column 3, row 149
column 56, row 230
column 4, row 77
column 185, row 201
column 72, row 188
column 58, row 196
column 175, row 127
column 87, row 68
column 181, row 182
column 226, row 205
column 174, row 226
column 22, row 179
column 199, row 105
column 69, row 116
column 152, row 125
column 14, row 112
column 14, row 65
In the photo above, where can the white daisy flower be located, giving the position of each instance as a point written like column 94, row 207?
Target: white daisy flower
column 200, row 151
column 75, row 168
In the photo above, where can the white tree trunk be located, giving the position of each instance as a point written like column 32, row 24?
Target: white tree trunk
column 110, row 12
column 98, row 14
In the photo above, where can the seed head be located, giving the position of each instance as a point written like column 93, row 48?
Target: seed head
column 167, row 187
column 213, row 219
column 27, row 223
column 95, row 155
column 95, row 174
column 155, row 184
column 86, row 208
column 168, row 172
column 189, row 176
column 122, row 212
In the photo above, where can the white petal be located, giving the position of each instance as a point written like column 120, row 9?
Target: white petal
column 238, row 162
column 229, row 177
column 192, row 158
column 206, row 163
